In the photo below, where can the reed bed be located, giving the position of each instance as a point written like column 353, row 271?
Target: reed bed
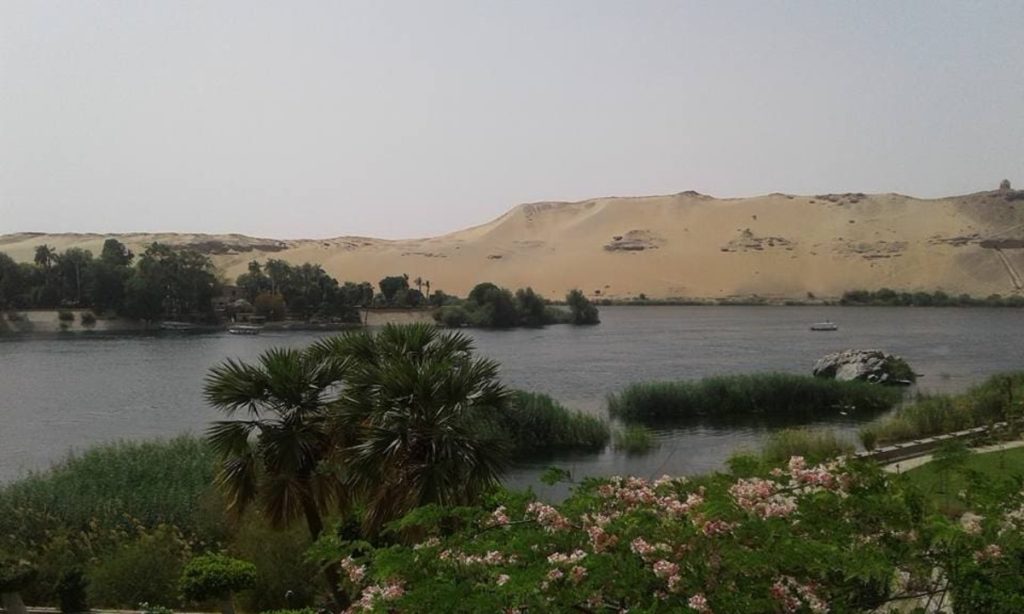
column 762, row 395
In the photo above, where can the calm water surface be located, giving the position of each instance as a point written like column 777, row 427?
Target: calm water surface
column 63, row 394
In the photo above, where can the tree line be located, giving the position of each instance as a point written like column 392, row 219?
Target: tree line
column 165, row 282
column 161, row 282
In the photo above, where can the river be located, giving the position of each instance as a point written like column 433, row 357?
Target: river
column 59, row 394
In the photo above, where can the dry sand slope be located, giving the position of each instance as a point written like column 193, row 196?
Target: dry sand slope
column 684, row 245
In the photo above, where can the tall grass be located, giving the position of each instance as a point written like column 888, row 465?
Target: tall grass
column 536, row 422
column 763, row 395
column 999, row 398
column 634, row 439
column 114, row 485
column 815, row 445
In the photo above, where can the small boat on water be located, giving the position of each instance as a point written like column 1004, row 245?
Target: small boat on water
column 245, row 329
column 826, row 325
column 177, row 326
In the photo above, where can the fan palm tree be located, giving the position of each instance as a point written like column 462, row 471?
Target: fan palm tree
column 420, row 410
column 276, row 455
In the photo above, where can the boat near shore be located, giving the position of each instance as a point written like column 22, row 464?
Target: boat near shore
column 244, row 329
column 827, row 325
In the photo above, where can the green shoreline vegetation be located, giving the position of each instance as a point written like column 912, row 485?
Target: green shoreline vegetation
column 362, row 474
column 772, row 396
column 998, row 399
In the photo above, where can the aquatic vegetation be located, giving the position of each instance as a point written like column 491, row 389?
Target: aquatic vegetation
column 114, row 486
column 816, row 445
column 999, row 398
column 536, row 422
column 762, row 395
column 634, row 439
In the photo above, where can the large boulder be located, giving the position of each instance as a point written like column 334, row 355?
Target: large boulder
column 873, row 366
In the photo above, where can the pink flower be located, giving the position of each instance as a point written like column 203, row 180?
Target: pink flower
column 355, row 573
column 699, row 603
column 503, row 579
column 548, row 517
column 577, row 574
column 499, row 518
column 664, row 569
column 990, row 552
column 555, row 574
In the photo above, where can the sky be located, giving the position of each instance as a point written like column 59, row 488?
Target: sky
column 407, row 119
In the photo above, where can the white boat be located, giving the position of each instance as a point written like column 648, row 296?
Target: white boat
column 826, row 325
column 244, row 329
column 177, row 326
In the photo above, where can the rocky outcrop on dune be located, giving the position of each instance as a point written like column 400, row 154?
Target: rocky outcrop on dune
column 686, row 245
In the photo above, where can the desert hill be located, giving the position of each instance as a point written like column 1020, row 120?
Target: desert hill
column 684, row 245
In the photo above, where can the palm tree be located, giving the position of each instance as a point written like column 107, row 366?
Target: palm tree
column 419, row 284
column 276, row 455
column 422, row 409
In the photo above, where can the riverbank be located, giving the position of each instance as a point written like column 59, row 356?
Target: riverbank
column 57, row 322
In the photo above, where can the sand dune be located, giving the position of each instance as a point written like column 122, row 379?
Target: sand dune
column 688, row 245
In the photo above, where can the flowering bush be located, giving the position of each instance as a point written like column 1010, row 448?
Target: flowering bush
column 822, row 538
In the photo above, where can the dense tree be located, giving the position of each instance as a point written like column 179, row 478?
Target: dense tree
column 116, row 253
column 14, row 282
column 496, row 306
column 391, row 286
column 254, row 282
column 531, row 307
column 182, row 280
column 583, row 311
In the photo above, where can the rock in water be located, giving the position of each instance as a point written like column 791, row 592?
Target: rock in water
column 873, row 366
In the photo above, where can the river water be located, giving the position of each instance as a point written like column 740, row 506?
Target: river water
column 59, row 394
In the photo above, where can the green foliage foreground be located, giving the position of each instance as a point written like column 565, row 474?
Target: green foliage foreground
column 779, row 396
column 801, row 538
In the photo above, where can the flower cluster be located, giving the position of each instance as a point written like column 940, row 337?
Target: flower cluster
column 376, row 593
column 355, row 573
column 492, row 558
column 792, row 596
column 548, row 517
column 761, row 498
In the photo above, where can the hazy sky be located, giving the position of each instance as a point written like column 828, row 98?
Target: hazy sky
column 401, row 119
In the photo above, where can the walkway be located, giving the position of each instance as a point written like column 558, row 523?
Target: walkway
column 914, row 463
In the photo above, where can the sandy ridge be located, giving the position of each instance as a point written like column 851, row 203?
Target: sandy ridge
column 685, row 245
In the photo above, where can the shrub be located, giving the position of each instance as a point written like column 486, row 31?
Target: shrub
column 452, row 316
column 284, row 576
column 215, row 576
column 66, row 316
column 88, row 319
column 763, row 395
column 270, row 306
column 583, row 311
column 15, row 574
column 71, row 591
column 634, row 439
column 535, row 421
column 144, row 570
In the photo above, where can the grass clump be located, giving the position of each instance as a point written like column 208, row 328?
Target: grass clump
column 66, row 316
column 815, row 445
column 634, row 439
column 88, row 319
column 763, row 395
column 537, row 422
column 999, row 398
